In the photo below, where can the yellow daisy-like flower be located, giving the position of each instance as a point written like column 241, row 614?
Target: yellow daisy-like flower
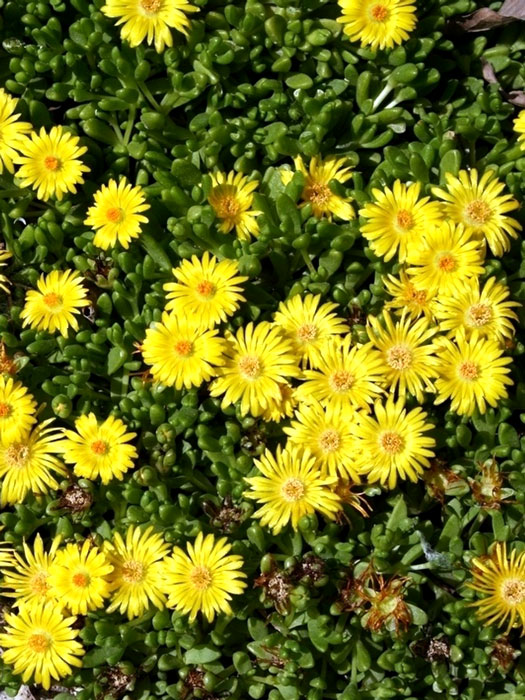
column 472, row 373
column 50, row 163
column 408, row 357
column 181, row 353
column 116, row 215
column 483, row 310
column 204, row 579
column 40, row 644
column 328, row 433
column 445, row 259
column 397, row 220
column 478, row 204
column 257, row 360
column 380, row 24
column 17, row 409
column 78, row 577
column 346, row 376
column 501, row 581
column 138, row 567
column 206, row 290
column 309, row 325
column 391, row 445
column 290, row 486
column 4, row 255
column 317, row 191
column 26, row 464
column 99, row 450
column 519, row 128
column 11, row 131
column 407, row 298
column 150, row 20
column 29, row 582
column 55, row 303
column 283, row 407
column 231, row 198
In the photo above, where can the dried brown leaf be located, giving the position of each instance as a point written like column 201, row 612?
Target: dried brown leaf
column 489, row 74
column 513, row 8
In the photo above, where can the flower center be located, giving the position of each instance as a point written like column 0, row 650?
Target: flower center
column 38, row 584
column 293, row 490
column 183, row 348
column 307, row 333
column 513, row 591
column 468, row 370
column 201, row 577
column 341, row 381
column 399, row 357
column 5, row 410
column 39, row 643
column 318, row 194
column 479, row 315
column 250, row 367
column 206, row 289
column 133, row 571
column 379, row 13
column 52, row 163
column 418, row 296
column 115, row 215
column 81, row 580
column 228, row 207
column 151, row 6
column 405, row 220
column 447, row 262
column 391, row 443
column 52, row 300
column 99, row 447
column 329, row 440
column 16, row 455
column 478, row 212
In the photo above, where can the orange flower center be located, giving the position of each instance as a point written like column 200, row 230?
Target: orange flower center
column 201, row 577
column 379, row 13
column 391, row 443
column 447, row 263
column 183, row 348
column 227, row 207
column 206, row 289
column 81, row 580
column 292, row 490
column 99, row 447
column 115, row 215
column 52, row 300
column 399, row 357
column 513, row 591
column 151, row 6
column 317, row 193
column 341, row 381
column 307, row 333
column 16, row 455
column 39, row 643
column 418, row 296
column 404, row 219
column 133, row 571
column 478, row 315
column 52, row 163
column 250, row 367
column 478, row 212
column 468, row 370
column 38, row 584
column 329, row 440
column 5, row 410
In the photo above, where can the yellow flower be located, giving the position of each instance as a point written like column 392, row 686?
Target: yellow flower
column 206, row 290
column 231, row 198
column 291, row 486
column 309, row 325
column 500, row 579
column 472, row 373
column 50, row 163
column 345, row 377
column 391, row 445
column 478, row 204
column 78, row 577
column 485, row 311
column 258, row 360
column 328, row 434
column 445, row 259
column 407, row 298
column 150, row 20
column 398, row 219
column 40, row 644
column 409, row 360
column 317, row 190
column 26, row 464
column 17, row 409
column 53, row 305
column 29, row 582
column 282, row 407
column 519, row 128
column 11, row 131
column 4, row 255
column 380, row 24
column 181, row 353
column 203, row 579
column 98, row 450
column 138, row 568
column 116, row 214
